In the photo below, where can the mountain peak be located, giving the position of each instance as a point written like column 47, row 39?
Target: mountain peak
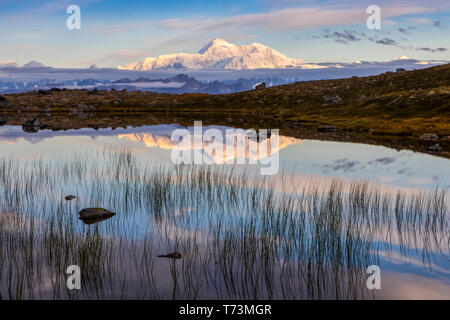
column 33, row 64
column 218, row 42
column 220, row 54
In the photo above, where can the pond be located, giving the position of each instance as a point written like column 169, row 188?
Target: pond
column 309, row 231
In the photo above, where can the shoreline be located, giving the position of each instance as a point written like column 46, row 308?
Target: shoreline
column 403, row 109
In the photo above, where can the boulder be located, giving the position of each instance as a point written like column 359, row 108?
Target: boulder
column 31, row 125
column 95, row 91
column 435, row 148
column 85, row 107
column 327, row 128
column 4, row 120
column 332, row 99
column 94, row 215
column 44, row 92
column 429, row 137
column 4, row 102
column 261, row 86
column 400, row 70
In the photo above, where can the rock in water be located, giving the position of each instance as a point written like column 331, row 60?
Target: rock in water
column 70, row 197
column 435, row 149
column 173, row 255
column 327, row 128
column 31, row 126
column 94, row 215
column 4, row 120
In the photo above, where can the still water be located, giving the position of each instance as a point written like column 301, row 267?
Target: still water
column 308, row 232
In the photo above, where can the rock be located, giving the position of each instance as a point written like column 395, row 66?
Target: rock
column 4, row 102
column 334, row 99
column 94, row 91
column 327, row 128
column 95, row 126
column 261, row 86
column 436, row 148
column 429, row 137
column 94, row 215
column 43, row 92
column 173, row 255
column 31, row 126
column 85, row 107
column 400, row 70
column 4, row 120
column 70, row 197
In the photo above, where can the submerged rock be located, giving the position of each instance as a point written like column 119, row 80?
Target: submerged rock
column 327, row 128
column 94, row 215
column 173, row 255
column 70, row 197
column 31, row 125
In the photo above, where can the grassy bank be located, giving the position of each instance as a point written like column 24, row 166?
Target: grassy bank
column 404, row 104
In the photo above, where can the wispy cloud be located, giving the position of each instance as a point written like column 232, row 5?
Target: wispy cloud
column 387, row 42
column 287, row 19
column 427, row 49
column 345, row 36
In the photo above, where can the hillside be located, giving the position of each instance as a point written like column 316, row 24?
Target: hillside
column 404, row 103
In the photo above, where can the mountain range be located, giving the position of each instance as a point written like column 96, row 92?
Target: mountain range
column 178, row 84
column 220, row 54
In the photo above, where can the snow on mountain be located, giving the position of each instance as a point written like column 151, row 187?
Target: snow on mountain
column 33, row 64
column 220, row 54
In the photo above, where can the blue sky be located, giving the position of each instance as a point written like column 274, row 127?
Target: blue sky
column 117, row 32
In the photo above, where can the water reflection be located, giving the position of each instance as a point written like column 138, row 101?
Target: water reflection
column 302, row 234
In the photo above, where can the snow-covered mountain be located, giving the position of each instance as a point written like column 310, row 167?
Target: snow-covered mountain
column 220, row 54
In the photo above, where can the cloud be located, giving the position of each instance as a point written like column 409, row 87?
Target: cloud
column 387, row 42
column 286, row 19
column 427, row 49
column 345, row 36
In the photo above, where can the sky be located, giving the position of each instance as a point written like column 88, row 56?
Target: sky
column 117, row 32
